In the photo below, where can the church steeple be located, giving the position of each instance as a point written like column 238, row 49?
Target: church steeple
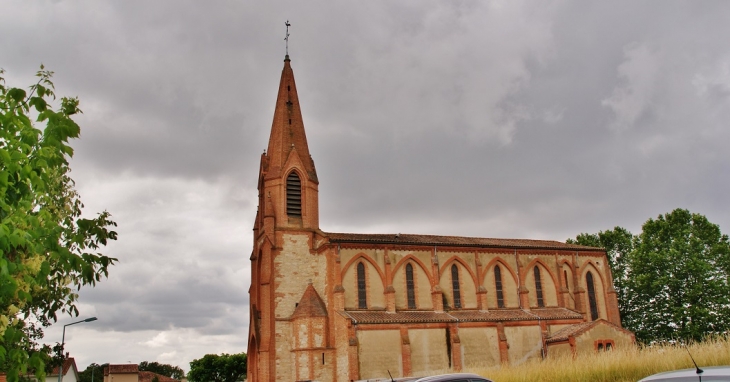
column 288, row 184
column 287, row 129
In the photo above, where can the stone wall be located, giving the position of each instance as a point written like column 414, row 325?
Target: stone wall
column 479, row 347
column 379, row 351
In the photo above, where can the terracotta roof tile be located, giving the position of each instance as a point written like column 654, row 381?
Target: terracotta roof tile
column 148, row 376
column 569, row 331
column 67, row 363
column 383, row 317
column 408, row 239
column 495, row 315
column 121, row 369
column 578, row 329
column 311, row 305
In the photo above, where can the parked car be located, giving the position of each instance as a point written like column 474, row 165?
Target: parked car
column 707, row 374
column 456, row 377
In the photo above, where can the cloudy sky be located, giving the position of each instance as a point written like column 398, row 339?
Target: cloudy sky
column 513, row 119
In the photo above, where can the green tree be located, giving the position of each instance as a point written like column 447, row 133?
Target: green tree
column 218, row 368
column 679, row 279
column 47, row 250
column 162, row 369
column 672, row 280
column 94, row 370
column 619, row 244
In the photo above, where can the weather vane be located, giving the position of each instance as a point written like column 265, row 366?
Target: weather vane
column 287, row 36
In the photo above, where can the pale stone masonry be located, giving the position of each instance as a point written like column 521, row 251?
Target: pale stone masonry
column 343, row 307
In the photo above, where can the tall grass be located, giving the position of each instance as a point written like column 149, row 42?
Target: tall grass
column 619, row 365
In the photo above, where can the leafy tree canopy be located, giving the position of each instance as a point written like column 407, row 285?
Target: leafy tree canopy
column 673, row 279
column 618, row 243
column 218, row 368
column 93, row 373
column 162, row 369
column 47, row 250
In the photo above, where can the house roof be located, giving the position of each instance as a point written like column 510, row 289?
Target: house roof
column 460, row 241
column 496, row 315
column 148, row 376
column 578, row 329
column 310, row 305
column 121, row 369
column 570, row 331
column 67, row 364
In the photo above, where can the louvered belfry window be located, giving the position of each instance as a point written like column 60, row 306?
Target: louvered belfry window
column 538, row 288
column 456, row 286
column 410, row 287
column 293, row 195
column 362, row 301
column 592, row 296
column 498, row 286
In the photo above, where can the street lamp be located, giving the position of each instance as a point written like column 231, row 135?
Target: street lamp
column 63, row 340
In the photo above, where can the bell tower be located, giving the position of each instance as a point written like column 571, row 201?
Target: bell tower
column 284, row 264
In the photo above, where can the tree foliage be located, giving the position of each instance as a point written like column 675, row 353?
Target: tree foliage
column 93, row 373
column 673, row 279
column 47, row 250
column 162, row 369
column 618, row 243
column 218, row 368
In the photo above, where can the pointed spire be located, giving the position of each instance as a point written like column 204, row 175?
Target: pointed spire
column 287, row 129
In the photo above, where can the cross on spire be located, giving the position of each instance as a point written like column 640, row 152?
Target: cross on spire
column 287, row 36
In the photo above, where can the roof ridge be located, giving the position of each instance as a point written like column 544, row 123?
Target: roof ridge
column 428, row 239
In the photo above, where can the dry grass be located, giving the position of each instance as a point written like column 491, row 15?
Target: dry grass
column 618, row 365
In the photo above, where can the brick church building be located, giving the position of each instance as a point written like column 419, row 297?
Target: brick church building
column 328, row 306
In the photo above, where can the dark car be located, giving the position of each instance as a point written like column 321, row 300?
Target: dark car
column 708, row 374
column 457, row 377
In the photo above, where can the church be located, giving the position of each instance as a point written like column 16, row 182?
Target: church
column 328, row 306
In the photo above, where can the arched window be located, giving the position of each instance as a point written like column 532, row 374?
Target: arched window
column 592, row 296
column 608, row 346
column 600, row 347
column 455, row 286
column 538, row 288
column 498, row 286
column 565, row 276
column 410, row 287
column 362, row 301
column 293, row 195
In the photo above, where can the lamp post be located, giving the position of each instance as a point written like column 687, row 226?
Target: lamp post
column 63, row 341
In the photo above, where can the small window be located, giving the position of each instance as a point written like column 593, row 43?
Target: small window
column 410, row 287
column 498, row 286
column 600, row 347
column 538, row 287
column 293, row 195
column 608, row 346
column 455, row 286
column 362, row 302
column 565, row 276
column 592, row 296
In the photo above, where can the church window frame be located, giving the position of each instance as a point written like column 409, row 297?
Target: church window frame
column 294, row 195
column 498, row 286
column 455, row 286
column 362, row 293
column 593, row 304
column 604, row 345
column 410, row 287
column 538, row 287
